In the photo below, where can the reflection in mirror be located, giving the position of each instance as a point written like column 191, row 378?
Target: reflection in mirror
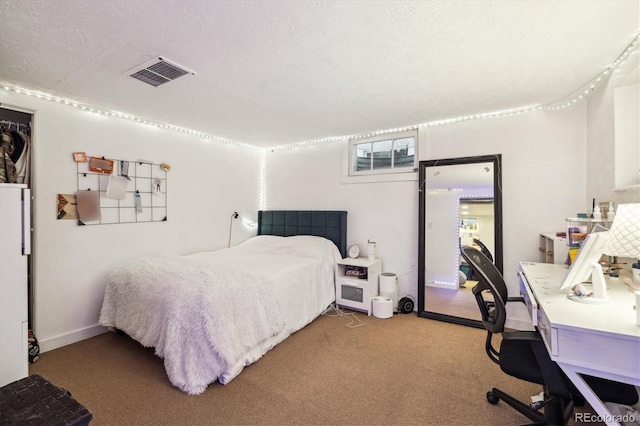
column 460, row 204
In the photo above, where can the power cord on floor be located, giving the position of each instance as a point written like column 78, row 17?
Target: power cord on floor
column 334, row 311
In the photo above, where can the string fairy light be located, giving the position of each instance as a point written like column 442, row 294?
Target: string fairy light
column 568, row 101
column 590, row 87
column 117, row 114
column 437, row 190
column 263, row 180
column 574, row 98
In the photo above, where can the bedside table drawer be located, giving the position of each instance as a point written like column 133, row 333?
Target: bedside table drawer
column 349, row 292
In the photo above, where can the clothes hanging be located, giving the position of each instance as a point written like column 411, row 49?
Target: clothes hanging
column 7, row 166
column 15, row 152
column 18, row 145
column 23, row 165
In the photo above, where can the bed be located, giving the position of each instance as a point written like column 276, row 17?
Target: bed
column 210, row 314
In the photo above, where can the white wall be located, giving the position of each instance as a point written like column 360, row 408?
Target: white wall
column 386, row 212
column 544, row 180
column 543, row 175
column 601, row 153
column 627, row 136
column 207, row 182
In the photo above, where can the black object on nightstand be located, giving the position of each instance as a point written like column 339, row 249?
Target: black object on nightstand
column 35, row 400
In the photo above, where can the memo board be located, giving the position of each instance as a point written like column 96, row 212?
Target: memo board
column 141, row 178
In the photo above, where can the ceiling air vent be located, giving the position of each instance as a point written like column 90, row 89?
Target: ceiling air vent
column 158, row 71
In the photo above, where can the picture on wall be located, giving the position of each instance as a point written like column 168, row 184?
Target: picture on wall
column 67, row 206
column 469, row 223
column 88, row 205
column 79, row 157
column 101, row 165
column 156, row 186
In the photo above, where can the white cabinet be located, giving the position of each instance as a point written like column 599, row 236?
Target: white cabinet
column 14, row 230
column 357, row 291
column 553, row 249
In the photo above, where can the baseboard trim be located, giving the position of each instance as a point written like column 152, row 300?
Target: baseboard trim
column 69, row 338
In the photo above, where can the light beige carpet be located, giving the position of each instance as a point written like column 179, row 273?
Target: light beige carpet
column 401, row 370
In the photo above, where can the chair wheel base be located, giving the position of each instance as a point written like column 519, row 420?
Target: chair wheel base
column 492, row 398
column 536, row 405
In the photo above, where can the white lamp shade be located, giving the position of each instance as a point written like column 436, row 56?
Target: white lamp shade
column 624, row 235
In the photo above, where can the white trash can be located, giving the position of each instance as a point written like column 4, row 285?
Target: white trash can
column 382, row 307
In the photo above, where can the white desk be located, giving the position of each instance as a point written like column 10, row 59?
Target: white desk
column 598, row 340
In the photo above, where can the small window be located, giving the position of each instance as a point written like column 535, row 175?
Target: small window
column 390, row 153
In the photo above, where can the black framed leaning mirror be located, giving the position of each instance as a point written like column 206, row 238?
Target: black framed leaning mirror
column 460, row 202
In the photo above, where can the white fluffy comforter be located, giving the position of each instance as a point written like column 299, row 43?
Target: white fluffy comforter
column 210, row 314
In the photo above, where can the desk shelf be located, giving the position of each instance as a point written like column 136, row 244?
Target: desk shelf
column 589, row 223
column 585, row 226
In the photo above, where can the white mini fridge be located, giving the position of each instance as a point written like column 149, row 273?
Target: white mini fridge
column 15, row 246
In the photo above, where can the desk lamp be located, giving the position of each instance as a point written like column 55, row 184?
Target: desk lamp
column 624, row 236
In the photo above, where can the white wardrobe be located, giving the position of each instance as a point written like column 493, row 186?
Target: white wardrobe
column 15, row 246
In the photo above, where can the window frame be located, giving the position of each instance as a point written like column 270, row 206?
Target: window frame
column 379, row 138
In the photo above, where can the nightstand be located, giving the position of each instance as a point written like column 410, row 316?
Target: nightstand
column 356, row 292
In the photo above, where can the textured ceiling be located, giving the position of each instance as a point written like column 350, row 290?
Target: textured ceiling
column 276, row 72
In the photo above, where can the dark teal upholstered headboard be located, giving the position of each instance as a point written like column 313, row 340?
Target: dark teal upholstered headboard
column 322, row 223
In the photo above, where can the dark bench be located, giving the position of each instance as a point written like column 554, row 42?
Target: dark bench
column 35, row 401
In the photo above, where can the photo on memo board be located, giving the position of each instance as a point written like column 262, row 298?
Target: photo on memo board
column 79, row 157
column 101, row 165
column 67, row 206
column 88, row 205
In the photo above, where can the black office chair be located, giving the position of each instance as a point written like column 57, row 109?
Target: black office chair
column 522, row 354
column 483, row 248
column 468, row 271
